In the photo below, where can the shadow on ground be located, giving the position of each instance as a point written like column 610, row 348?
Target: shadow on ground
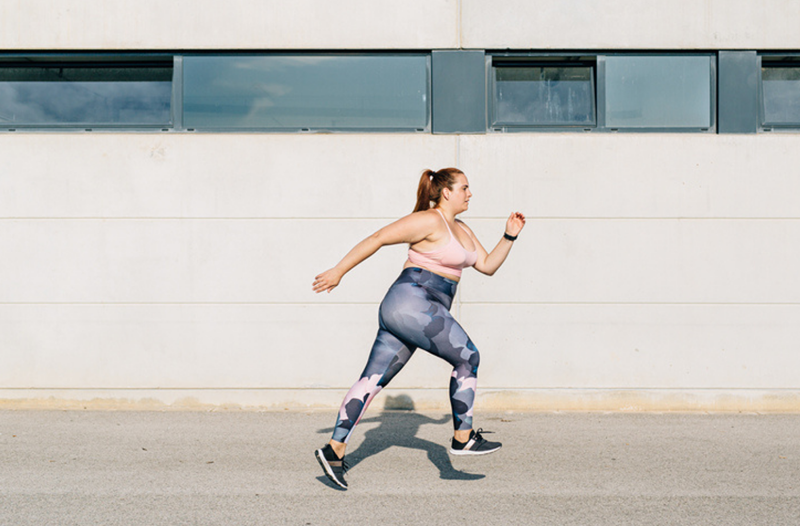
column 399, row 428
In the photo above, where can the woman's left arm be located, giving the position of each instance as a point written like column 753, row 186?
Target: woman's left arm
column 488, row 263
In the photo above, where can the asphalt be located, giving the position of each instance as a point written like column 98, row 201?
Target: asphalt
column 241, row 468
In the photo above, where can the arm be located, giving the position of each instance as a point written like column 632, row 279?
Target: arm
column 412, row 228
column 488, row 263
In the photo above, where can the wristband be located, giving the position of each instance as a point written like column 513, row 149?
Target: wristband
column 506, row 235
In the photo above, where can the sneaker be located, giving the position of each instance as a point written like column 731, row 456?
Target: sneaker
column 476, row 445
column 333, row 466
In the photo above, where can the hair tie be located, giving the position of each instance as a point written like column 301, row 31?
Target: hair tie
column 431, row 175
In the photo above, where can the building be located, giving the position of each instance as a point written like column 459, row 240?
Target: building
column 161, row 251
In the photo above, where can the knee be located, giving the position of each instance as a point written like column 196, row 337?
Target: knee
column 474, row 358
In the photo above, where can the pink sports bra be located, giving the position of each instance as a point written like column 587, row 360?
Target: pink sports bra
column 449, row 259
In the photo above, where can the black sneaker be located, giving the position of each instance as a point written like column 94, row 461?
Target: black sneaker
column 476, row 445
column 333, row 466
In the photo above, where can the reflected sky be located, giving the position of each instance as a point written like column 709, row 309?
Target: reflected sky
column 306, row 92
column 52, row 95
column 85, row 103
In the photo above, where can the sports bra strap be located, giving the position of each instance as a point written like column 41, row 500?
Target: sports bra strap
column 445, row 222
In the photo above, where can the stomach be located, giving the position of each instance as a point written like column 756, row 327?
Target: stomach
column 453, row 277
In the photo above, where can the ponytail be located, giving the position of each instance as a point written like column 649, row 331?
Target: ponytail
column 431, row 184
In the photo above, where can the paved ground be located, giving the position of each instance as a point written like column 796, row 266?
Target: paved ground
column 148, row 468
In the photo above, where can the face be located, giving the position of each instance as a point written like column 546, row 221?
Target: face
column 459, row 195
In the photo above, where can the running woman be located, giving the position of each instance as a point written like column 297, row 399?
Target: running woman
column 415, row 313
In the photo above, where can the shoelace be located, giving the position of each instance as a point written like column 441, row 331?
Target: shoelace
column 478, row 438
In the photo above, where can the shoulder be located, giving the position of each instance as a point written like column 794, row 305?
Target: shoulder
column 428, row 218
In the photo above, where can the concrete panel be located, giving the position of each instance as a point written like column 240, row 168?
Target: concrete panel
column 634, row 175
column 621, row 24
column 236, row 24
column 229, row 175
column 187, row 261
column 642, row 261
column 633, row 346
column 274, row 261
column 195, row 346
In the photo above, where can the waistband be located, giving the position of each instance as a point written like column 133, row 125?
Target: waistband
column 426, row 278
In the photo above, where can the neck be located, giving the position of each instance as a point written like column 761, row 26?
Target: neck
column 450, row 216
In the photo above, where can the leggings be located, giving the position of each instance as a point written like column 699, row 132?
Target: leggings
column 415, row 313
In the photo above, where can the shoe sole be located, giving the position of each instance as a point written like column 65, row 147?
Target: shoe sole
column 327, row 468
column 467, row 453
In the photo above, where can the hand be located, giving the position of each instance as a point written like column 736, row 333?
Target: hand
column 327, row 281
column 515, row 223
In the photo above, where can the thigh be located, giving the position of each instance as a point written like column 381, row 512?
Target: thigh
column 420, row 320
column 388, row 355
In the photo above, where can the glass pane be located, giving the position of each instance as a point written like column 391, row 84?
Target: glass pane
column 658, row 92
column 541, row 96
column 781, row 95
column 319, row 92
column 85, row 96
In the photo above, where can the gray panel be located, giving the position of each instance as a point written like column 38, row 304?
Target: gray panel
column 738, row 92
column 459, row 91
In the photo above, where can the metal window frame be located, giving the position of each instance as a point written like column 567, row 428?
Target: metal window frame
column 792, row 59
column 116, row 59
column 313, row 130
column 600, row 90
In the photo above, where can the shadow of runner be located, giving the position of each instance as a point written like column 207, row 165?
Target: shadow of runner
column 400, row 429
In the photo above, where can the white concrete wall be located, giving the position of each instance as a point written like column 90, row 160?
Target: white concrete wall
column 173, row 265
column 411, row 24
column 658, row 271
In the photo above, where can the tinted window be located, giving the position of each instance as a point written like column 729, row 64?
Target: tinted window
column 313, row 92
column 658, row 92
column 544, row 96
column 781, row 95
column 86, row 96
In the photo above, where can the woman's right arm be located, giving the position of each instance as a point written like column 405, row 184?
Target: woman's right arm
column 412, row 228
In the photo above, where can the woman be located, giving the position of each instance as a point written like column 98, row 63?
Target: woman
column 416, row 310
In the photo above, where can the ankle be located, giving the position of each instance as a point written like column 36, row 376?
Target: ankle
column 338, row 447
column 462, row 436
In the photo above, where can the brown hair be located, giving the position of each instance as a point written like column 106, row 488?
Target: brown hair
column 431, row 185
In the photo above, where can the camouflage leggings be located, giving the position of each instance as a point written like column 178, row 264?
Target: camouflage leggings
column 415, row 313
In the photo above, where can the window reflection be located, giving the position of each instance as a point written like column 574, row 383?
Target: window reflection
column 658, row 91
column 85, row 96
column 315, row 92
column 781, row 89
column 541, row 96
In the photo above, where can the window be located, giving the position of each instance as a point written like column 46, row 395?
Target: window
column 658, row 92
column 543, row 93
column 306, row 92
column 602, row 92
column 780, row 92
column 85, row 92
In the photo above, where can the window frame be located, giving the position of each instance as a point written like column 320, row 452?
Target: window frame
column 600, row 90
column 108, row 59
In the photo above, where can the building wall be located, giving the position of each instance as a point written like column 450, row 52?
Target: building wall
column 657, row 271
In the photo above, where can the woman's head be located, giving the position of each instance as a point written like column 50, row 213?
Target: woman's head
column 431, row 185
